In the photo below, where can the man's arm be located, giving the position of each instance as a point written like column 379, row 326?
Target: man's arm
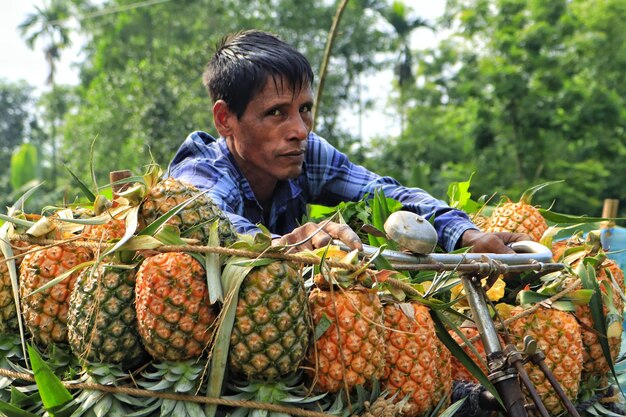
column 333, row 178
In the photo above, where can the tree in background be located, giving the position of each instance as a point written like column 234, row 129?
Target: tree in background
column 17, row 126
column 398, row 16
column 47, row 25
column 142, row 92
column 521, row 92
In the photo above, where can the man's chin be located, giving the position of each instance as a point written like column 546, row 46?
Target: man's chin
column 292, row 173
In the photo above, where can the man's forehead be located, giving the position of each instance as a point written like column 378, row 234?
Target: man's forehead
column 280, row 87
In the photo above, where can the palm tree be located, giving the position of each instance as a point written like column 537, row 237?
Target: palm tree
column 397, row 16
column 47, row 26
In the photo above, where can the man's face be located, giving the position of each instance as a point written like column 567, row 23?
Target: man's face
column 269, row 140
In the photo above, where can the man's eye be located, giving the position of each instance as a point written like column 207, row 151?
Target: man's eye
column 305, row 109
column 275, row 112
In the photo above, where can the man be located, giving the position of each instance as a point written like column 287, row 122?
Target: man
column 267, row 165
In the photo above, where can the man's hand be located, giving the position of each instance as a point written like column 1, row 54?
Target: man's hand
column 320, row 237
column 482, row 242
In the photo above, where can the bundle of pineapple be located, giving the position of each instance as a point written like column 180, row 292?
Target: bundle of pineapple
column 94, row 287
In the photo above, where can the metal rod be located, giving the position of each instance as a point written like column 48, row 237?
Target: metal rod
column 538, row 359
column 480, row 267
column 528, row 252
column 481, row 315
column 515, row 359
column 505, row 380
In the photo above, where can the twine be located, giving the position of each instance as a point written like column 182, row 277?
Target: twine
column 138, row 392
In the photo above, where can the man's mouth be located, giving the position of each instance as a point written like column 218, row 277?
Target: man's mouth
column 296, row 153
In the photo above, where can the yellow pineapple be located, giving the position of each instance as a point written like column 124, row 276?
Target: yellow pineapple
column 557, row 334
column 417, row 365
column 45, row 313
column 519, row 217
column 610, row 277
column 174, row 315
column 459, row 372
column 352, row 349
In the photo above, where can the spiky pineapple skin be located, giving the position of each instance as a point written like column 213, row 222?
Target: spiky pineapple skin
column 8, row 310
column 518, row 217
column 352, row 349
column 271, row 333
column 102, row 321
column 174, row 314
column 45, row 313
column 112, row 229
column 194, row 219
column 459, row 372
column 558, row 335
column 412, row 358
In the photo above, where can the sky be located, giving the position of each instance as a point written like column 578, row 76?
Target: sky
column 19, row 62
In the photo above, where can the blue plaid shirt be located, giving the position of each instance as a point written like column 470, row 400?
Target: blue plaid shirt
column 327, row 178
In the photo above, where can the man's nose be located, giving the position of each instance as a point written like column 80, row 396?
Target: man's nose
column 300, row 127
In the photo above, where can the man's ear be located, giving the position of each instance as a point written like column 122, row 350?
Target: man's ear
column 222, row 118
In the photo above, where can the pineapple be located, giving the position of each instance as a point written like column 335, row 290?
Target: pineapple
column 112, row 229
column 595, row 363
column 520, row 217
column 102, row 322
column 270, row 335
column 8, row 311
column 415, row 366
column 459, row 372
column 352, row 349
column 173, row 310
column 558, row 335
column 194, row 219
column 45, row 313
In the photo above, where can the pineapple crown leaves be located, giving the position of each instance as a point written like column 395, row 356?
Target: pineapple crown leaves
column 528, row 195
column 287, row 391
column 181, row 377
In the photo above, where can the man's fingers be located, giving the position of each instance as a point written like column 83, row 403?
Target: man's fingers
column 345, row 234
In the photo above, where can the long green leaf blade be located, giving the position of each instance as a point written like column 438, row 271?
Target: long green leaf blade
column 12, row 411
column 53, row 392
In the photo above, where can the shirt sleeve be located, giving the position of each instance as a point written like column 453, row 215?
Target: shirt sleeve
column 200, row 162
column 333, row 178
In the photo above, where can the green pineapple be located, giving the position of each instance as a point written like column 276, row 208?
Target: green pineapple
column 102, row 322
column 194, row 219
column 270, row 334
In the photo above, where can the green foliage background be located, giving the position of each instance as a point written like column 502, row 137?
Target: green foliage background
column 520, row 92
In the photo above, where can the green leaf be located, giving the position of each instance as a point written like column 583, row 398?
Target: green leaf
column 587, row 275
column 562, row 218
column 25, row 166
column 456, row 350
column 13, row 411
column 453, row 408
column 213, row 266
column 232, row 277
column 83, row 187
column 321, row 327
column 61, row 277
column 53, row 392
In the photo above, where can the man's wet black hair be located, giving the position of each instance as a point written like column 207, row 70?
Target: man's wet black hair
column 244, row 61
